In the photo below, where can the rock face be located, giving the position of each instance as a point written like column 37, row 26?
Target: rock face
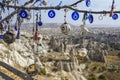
column 58, row 46
column 73, row 59
column 54, row 43
column 69, row 65
column 97, row 55
column 20, row 52
column 65, row 66
column 97, row 51
column 61, row 48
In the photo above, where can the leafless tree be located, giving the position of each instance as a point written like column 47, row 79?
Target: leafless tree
column 71, row 7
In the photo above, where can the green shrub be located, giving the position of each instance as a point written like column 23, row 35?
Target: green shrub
column 43, row 71
column 101, row 69
column 94, row 68
column 49, row 51
column 92, row 78
column 102, row 77
column 65, row 78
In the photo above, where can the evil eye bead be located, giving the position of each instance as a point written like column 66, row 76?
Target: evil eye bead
column 75, row 15
column 23, row 14
column 40, row 23
column 51, row 14
column 91, row 18
column 115, row 16
column 88, row 2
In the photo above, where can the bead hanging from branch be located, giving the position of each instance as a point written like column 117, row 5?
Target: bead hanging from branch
column 44, row 2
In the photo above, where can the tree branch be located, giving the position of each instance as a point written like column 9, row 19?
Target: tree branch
column 14, row 12
column 49, row 7
column 36, row 8
column 76, row 3
column 56, row 7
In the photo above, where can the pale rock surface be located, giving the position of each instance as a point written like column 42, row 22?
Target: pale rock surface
column 18, row 52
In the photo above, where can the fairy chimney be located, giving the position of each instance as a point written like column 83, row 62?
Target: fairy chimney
column 73, row 58
column 61, row 48
column 54, row 43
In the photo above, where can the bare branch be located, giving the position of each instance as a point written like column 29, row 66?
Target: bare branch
column 35, row 8
column 14, row 12
column 93, row 12
column 49, row 7
column 76, row 2
column 61, row 7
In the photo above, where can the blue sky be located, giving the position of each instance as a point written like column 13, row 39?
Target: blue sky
column 96, row 5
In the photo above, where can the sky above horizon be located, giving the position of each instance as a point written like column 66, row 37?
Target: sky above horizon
column 96, row 5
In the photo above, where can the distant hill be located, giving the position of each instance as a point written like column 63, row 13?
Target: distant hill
column 52, row 28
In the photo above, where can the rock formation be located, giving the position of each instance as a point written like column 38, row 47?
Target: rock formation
column 97, row 55
column 61, row 48
column 73, row 58
column 18, row 52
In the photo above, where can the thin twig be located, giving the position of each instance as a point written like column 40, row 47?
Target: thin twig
column 76, row 3
column 61, row 7
column 47, row 8
column 22, row 7
column 14, row 12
